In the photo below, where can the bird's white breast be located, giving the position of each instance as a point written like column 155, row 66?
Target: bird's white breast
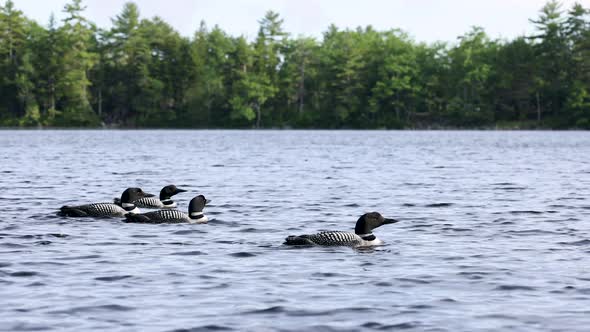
column 135, row 210
column 202, row 220
column 375, row 242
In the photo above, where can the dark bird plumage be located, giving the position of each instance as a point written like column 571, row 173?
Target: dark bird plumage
column 105, row 209
column 171, row 216
column 362, row 236
column 164, row 202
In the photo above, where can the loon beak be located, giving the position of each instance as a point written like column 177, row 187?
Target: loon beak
column 178, row 190
column 390, row 221
column 148, row 195
column 207, row 201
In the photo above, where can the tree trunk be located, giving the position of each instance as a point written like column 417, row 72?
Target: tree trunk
column 302, row 88
column 209, row 103
column 100, row 102
column 52, row 98
column 397, row 110
column 465, row 98
column 538, row 107
column 257, row 106
column 11, row 56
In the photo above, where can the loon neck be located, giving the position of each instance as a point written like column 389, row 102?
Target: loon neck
column 167, row 201
column 196, row 215
column 128, row 206
column 367, row 237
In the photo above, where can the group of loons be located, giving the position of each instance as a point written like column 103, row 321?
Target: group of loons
column 134, row 198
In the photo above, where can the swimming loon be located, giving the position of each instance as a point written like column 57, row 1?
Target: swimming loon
column 195, row 214
column 362, row 236
column 106, row 209
column 165, row 201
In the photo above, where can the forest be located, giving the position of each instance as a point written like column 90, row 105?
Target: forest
column 141, row 73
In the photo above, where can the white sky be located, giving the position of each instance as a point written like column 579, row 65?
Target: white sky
column 424, row 20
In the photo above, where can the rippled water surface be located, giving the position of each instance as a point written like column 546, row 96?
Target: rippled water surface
column 494, row 232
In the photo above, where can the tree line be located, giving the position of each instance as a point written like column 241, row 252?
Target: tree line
column 143, row 73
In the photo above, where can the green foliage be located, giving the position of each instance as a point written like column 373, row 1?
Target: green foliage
column 32, row 117
column 142, row 73
column 578, row 104
column 210, row 54
column 15, row 67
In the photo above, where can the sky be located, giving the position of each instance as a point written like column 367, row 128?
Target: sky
column 424, row 20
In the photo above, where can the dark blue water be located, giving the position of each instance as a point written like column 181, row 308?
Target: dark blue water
column 495, row 231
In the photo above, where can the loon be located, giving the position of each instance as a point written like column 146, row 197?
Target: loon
column 165, row 201
column 195, row 214
column 362, row 236
column 107, row 209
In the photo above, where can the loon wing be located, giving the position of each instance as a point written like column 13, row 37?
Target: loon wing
column 298, row 240
column 137, row 218
column 72, row 211
column 100, row 210
column 148, row 202
column 158, row 217
column 333, row 238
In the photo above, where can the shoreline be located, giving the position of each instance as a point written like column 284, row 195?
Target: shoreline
column 282, row 129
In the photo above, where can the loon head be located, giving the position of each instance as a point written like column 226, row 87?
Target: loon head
column 369, row 221
column 197, row 204
column 195, row 209
column 169, row 191
column 130, row 195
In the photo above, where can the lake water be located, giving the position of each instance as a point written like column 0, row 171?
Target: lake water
column 494, row 232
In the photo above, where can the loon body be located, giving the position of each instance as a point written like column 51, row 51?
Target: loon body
column 106, row 209
column 195, row 214
column 362, row 236
column 164, row 202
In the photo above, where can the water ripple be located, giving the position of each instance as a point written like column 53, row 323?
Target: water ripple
column 93, row 309
column 490, row 237
column 113, row 278
column 189, row 253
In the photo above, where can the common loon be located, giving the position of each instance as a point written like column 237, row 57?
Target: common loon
column 165, row 201
column 195, row 214
column 362, row 236
column 107, row 209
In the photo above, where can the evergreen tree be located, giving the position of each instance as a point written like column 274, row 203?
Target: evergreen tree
column 15, row 67
column 141, row 72
column 577, row 104
column 76, row 60
column 394, row 93
column 46, row 63
column 125, row 57
column 514, row 82
column 209, row 53
column 298, row 77
column 553, row 58
column 471, row 68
